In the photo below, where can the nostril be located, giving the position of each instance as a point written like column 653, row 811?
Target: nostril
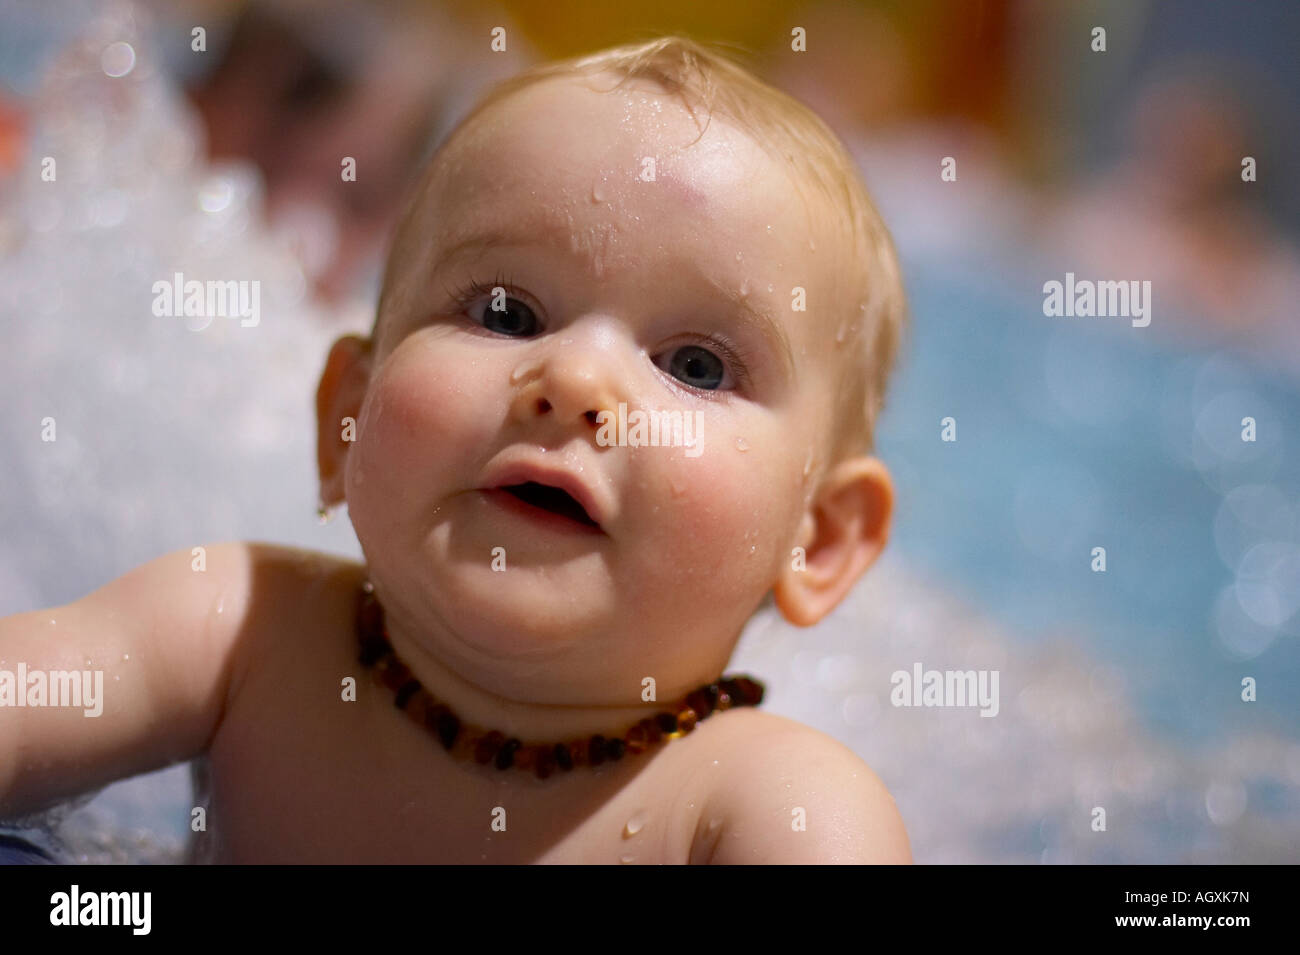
column 592, row 416
column 543, row 406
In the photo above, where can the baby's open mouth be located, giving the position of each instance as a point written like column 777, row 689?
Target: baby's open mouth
column 552, row 499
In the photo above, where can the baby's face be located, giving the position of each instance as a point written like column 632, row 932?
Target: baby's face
column 665, row 294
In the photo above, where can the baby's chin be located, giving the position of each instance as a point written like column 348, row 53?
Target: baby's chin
column 525, row 610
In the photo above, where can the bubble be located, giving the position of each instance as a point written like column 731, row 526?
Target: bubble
column 215, row 194
column 1225, row 801
column 1268, row 583
column 118, row 59
column 1248, row 515
column 1241, row 636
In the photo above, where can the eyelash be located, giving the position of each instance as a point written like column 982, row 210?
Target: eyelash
column 736, row 357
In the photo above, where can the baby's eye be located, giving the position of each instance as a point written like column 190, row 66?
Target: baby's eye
column 507, row 316
column 697, row 367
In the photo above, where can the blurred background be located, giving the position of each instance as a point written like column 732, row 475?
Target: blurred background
column 1120, row 690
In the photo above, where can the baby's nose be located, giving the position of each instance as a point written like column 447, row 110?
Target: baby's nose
column 570, row 381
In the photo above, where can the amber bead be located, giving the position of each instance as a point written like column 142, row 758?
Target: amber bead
column 578, row 750
column 394, row 674
column 700, row 702
column 418, row 706
column 635, row 739
column 667, row 723
column 747, row 692
column 596, row 750
column 488, row 746
column 653, row 733
column 544, row 761
column 524, row 757
column 724, row 700
column 686, row 720
column 614, row 749
column 506, row 754
column 404, row 694
column 563, row 757
column 446, row 724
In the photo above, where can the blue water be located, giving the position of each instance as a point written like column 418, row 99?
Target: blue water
column 1079, row 432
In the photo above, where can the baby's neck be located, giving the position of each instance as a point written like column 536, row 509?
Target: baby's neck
column 530, row 722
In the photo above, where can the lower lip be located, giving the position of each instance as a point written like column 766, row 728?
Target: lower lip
column 539, row 515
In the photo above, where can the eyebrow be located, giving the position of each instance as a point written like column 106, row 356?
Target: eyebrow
column 758, row 320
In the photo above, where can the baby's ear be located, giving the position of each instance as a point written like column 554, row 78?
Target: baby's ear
column 842, row 534
column 342, row 388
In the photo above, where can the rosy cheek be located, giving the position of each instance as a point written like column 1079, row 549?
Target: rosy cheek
column 422, row 413
column 714, row 506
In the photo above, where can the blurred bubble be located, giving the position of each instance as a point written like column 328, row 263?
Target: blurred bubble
column 1241, row 636
column 118, row 59
column 215, row 194
column 1225, row 801
column 860, row 710
column 1248, row 515
column 1268, row 583
column 1224, row 459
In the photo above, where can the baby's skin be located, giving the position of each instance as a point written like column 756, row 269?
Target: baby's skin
column 664, row 293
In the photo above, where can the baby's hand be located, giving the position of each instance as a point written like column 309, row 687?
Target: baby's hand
column 156, row 656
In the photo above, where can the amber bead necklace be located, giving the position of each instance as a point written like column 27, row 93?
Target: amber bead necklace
column 466, row 741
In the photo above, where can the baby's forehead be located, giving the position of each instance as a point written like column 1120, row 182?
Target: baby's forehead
column 630, row 178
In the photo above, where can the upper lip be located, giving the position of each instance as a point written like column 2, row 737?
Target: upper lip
column 521, row 472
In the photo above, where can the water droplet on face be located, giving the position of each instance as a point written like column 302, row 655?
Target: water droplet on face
column 812, row 246
column 769, row 286
column 677, row 489
column 839, row 334
column 634, row 825
column 807, row 464
column 597, row 192
column 742, row 444
column 769, row 229
column 744, row 288
column 739, row 256
column 625, row 859
column 221, row 604
column 713, row 824
column 125, row 657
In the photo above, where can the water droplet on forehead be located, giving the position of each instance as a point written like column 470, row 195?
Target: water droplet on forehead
column 598, row 192
column 742, row 444
column 744, row 288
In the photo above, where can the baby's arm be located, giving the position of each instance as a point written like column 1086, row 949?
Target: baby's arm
column 170, row 640
column 801, row 798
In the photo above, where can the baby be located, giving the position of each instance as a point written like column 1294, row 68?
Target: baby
column 529, row 666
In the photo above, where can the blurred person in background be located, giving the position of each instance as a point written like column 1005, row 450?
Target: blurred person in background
column 299, row 86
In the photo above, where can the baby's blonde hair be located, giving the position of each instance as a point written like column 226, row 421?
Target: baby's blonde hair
column 791, row 133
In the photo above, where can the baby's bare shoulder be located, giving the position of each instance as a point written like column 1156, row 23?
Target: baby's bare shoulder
column 798, row 795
